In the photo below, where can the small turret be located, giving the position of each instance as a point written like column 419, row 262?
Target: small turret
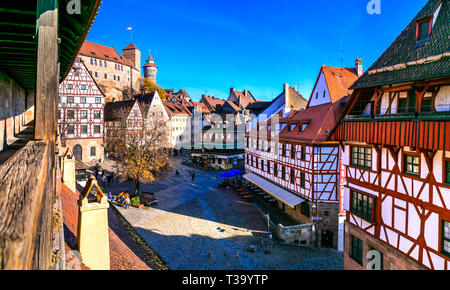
column 150, row 69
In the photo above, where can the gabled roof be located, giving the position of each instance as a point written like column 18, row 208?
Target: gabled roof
column 339, row 80
column 114, row 110
column 245, row 97
column 175, row 109
column 95, row 50
column 233, row 106
column 202, row 107
column 130, row 46
column 404, row 61
column 212, row 102
column 320, row 121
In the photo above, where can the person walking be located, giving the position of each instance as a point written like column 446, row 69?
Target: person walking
column 103, row 181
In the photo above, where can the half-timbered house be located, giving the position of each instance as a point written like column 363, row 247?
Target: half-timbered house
column 81, row 114
column 121, row 120
column 396, row 141
column 290, row 157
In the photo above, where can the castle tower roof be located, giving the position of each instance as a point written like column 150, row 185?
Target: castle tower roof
column 150, row 62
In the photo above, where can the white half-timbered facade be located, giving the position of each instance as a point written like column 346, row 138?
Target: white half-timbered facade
column 396, row 141
column 292, row 152
column 81, row 114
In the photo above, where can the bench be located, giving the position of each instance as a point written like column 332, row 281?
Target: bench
column 149, row 199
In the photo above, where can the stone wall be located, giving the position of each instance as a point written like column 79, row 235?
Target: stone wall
column 328, row 212
column 12, row 110
column 392, row 259
column 298, row 235
column 86, row 145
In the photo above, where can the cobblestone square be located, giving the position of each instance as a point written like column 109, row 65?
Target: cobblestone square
column 198, row 227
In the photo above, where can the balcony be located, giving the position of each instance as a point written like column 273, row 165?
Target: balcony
column 427, row 131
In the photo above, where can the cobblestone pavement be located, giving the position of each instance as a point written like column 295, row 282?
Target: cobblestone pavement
column 198, row 227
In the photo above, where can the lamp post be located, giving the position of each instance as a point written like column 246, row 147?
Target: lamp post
column 268, row 225
column 316, row 222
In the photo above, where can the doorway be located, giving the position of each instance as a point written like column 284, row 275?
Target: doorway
column 327, row 239
column 78, row 152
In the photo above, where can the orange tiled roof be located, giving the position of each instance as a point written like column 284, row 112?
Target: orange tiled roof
column 339, row 81
column 124, row 253
column 213, row 102
column 95, row 50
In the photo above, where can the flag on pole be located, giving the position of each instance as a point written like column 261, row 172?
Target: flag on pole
column 129, row 28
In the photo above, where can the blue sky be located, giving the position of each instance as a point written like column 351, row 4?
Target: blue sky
column 209, row 46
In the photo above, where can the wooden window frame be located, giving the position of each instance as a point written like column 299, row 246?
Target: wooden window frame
column 293, row 152
column 275, row 170
column 283, row 150
column 303, row 153
column 443, row 239
column 303, row 180
column 99, row 129
column 428, row 20
column 81, row 129
column 283, row 173
column 360, row 258
column 305, row 209
column 357, row 212
column 357, row 165
column 413, row 154
column 292, row 173
column 445, row 172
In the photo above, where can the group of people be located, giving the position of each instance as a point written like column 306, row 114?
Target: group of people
column 122, row 199
column 105, row 180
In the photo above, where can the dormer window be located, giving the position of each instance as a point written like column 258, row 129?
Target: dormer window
column 423, row 31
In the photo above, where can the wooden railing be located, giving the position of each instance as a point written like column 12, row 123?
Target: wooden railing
column 430, row 132
column 27, row 186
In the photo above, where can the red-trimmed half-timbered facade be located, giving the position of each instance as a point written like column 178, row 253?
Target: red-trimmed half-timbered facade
column 396, row 141
column 81, row 114
column 292, row 152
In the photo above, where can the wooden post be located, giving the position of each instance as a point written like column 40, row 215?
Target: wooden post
column 47, row 79
column 47, row 83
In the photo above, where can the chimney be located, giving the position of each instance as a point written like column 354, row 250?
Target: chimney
column 287, row 99
column 68, row 171
column 93, row 229
column 359, row 67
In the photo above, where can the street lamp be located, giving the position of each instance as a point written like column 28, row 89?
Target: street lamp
column 316, row 222
column 268, row 224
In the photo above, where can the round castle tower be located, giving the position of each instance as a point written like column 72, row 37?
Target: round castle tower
column 150, row 69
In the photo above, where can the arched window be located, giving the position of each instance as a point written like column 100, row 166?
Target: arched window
column 78, row 152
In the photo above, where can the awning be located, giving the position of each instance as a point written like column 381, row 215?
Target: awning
column 274, row 190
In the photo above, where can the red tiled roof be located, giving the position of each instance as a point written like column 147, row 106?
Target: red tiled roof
column 245, row 97
column 212, row 102
column 130, row 46
column 339, row 80
column 94, row 50
column 203, row 108
column 174, row 109
column 320, row 120
column 234, row 106
column 124, row 253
